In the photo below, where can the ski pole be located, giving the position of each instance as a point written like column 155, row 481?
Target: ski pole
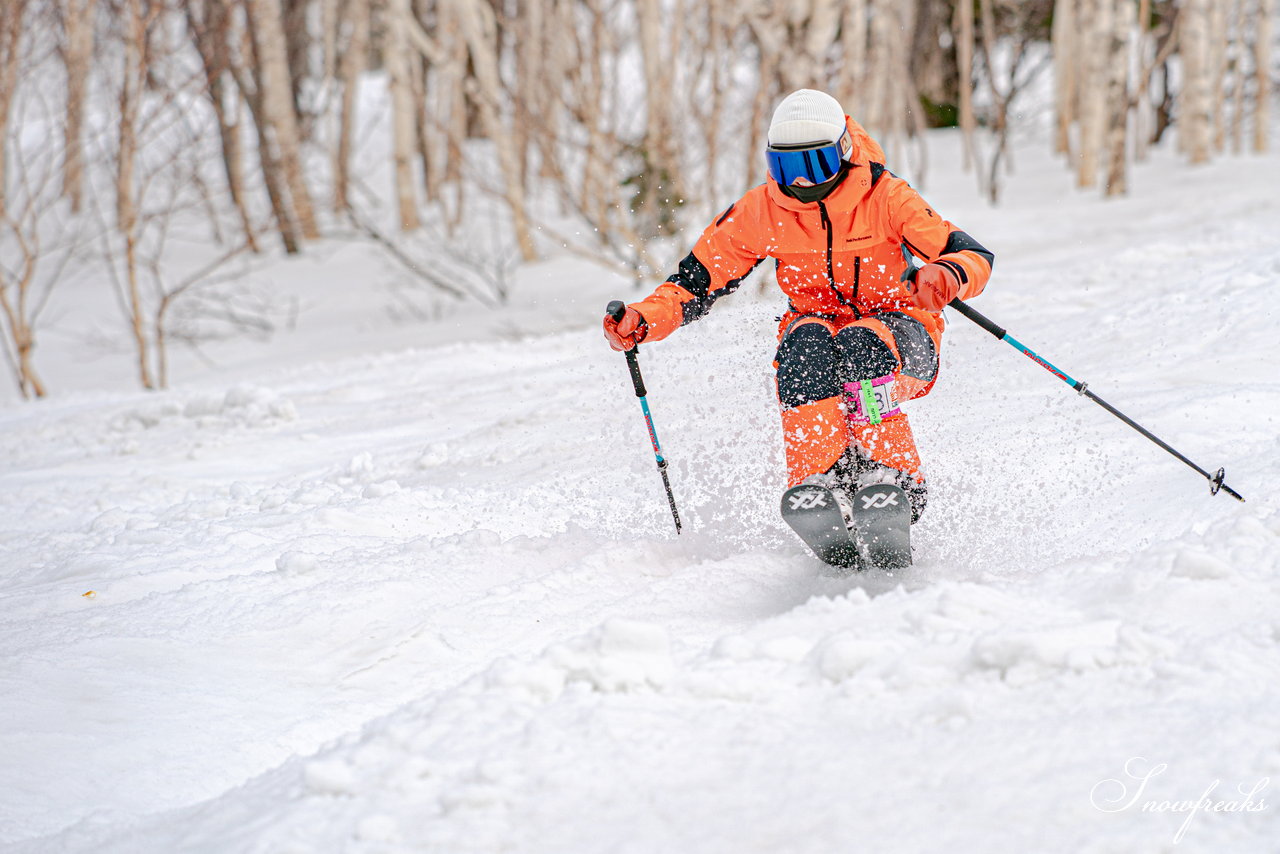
column 616, row 310
column 1215, row 480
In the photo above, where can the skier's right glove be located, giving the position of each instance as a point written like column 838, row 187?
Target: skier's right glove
column 934, row 286
column 625, row 333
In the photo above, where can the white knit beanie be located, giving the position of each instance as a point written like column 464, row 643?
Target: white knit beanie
column 806, row 115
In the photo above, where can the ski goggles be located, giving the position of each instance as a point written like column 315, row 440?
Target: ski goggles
column 814, row 164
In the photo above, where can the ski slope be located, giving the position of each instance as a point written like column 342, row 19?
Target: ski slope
column 429, row 599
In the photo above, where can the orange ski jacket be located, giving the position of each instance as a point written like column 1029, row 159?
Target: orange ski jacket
column 842, row 257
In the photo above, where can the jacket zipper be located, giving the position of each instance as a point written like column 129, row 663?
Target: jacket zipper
column 831, row 273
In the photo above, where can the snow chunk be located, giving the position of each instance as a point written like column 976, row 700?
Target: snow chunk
column 734, row 648
column 1193, row 563
column 621, row 655
column 296, row 563
column 436, row 455
column 330, row 777
column 1078, row 648
column 378, row 828
column 243, row 405
column 788, row 649
column 843, row 655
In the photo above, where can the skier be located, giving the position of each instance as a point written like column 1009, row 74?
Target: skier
column 863, row 327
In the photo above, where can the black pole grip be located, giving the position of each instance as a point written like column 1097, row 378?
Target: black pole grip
column 634, row 366
column 978, row 318
column 617, row 309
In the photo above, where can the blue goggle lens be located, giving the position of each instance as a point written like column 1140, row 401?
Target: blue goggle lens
column 816, row 164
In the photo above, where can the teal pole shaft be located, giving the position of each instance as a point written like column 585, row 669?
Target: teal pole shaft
column 1215, row 480
column 616, row 310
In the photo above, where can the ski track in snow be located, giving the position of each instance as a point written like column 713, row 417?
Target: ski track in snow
column 431, row 600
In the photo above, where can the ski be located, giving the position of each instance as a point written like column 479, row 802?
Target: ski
column 882, row 525
column 879, row 533
column 814, row 514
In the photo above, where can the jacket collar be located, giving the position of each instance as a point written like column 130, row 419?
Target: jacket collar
column 851, row 191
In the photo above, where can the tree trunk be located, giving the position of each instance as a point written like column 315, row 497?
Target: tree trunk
column 1194, row 126
column 18, row 317
column 1096, row 42
column 768, row 33
column 78, row 16
column 1139, row 97
column 1118, row 100
column 595, row 192
column 964, row 64
column 210, row 23
column 1237, row 63
column 1218, row 38
column 884, row 47
column 479, row 29
column 297, row 42
column 1065, row 44
column 1262, row 72
column 403, row 114
column 126, row 204
column 350, row 66
column 820, row 33
column 660, row 181
column 11, row 15
column 278, row 122
column 853, row 50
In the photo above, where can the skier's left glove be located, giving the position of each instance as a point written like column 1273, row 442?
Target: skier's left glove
column 934, row 286
column 625, row 333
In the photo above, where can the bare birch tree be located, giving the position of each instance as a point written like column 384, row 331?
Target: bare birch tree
column 1095, row 42
column 11, row 19
column 135, row 23
column 964, row 65
column 276, row 116
column 77, row 52
column 1263, row 23
column 1194, row 121
column 209, row 23
column 1065, row 43
column 351, row 64
column 851, row 74
column 1117, row 99
column 1007, row 74
column 21, row 205
column 404, row 115
column 38, row 249
column 658, row 181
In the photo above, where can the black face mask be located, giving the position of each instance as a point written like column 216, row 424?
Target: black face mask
column 817, row 192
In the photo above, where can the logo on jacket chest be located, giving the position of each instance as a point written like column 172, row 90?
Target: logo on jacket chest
column 860, row 239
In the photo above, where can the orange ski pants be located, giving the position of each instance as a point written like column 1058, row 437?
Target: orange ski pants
column 818, row 354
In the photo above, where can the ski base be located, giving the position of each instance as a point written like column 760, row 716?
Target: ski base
column 880, row 534
column 882, row 525
column 814, row 514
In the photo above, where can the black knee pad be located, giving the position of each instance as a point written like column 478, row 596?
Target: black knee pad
column 919, row 355
column 862, row 355
column 807, row 366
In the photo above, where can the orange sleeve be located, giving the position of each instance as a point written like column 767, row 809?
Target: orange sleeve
column 720, row 260
column 937, row 241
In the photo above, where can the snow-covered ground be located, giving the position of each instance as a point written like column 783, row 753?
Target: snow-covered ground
column 376, row 586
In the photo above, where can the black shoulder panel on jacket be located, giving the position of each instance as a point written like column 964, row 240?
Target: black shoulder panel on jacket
column 877, row 169
column 958, row 241
column 694, row 278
